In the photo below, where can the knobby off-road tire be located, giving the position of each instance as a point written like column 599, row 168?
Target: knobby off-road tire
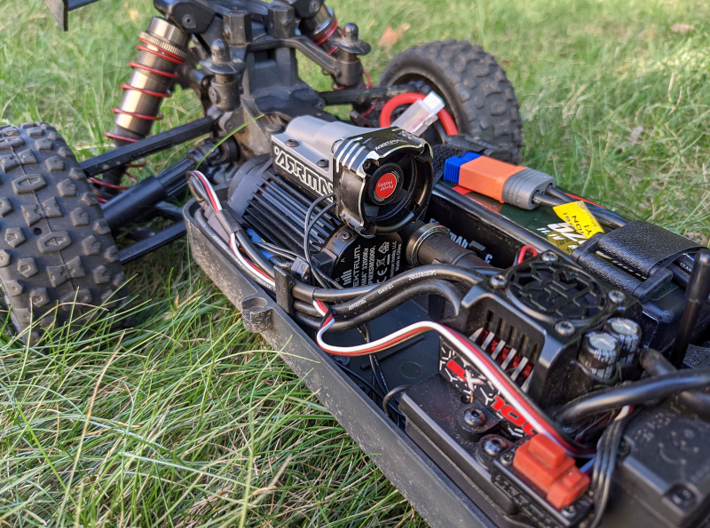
column 58, row 259
column 475, row 88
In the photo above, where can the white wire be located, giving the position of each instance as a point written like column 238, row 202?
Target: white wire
column 233, row 244
column 539, row 422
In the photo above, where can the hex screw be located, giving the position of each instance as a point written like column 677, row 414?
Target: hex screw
column 493, row 446
column 683, row 497
column 498, row 282
column 549, row 256
column 474, row 417
column 507, row 459
column 291, row 143
column 617, row 297
column 569, row 511
column 323, row 164
column 564, row 328
column 346, row 235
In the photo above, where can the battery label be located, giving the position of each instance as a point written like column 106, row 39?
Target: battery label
column 579, row 217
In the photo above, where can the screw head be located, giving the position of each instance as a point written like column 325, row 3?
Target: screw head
column 683, row 497
column 346, row 235
column 474, row 417
column 493, row 445
column 507, row 459
column 617, row 297
column 214, row 94
column 498, row 281
column 569, row 511
column 323, row 164
column 291, row 143
column 549, row 256
column 565, row 328
column 188, row 21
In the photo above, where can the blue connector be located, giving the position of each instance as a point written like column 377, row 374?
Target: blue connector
column 453, row 166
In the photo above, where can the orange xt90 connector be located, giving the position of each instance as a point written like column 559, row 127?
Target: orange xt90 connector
column 487, row 176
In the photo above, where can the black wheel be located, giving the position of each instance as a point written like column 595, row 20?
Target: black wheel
column 474, row 87
column 58, row 259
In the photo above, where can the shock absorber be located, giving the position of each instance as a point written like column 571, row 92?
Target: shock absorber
column 321, row 28
column 163, row 49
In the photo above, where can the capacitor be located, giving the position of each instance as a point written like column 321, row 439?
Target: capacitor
column 628, row 334
column 599, row 353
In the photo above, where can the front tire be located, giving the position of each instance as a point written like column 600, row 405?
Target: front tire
column 475, row 88
column 58, row 259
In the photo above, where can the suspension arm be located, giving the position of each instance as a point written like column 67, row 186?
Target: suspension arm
column 365, row 95
column 144, row 147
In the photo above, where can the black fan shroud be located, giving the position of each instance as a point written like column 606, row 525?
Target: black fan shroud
column 557, row 291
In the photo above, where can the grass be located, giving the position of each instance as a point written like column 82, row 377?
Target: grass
column 187, row 420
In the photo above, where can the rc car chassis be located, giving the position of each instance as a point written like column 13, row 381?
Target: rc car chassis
column 508, row 354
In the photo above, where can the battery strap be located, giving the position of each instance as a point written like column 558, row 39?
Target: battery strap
column 645, row 247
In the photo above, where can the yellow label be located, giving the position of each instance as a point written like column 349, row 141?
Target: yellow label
column 578, row 216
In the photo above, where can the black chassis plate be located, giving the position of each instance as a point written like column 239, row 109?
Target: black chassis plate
column 432, row 494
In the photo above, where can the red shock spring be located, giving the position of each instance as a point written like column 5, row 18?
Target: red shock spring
column 162, row 54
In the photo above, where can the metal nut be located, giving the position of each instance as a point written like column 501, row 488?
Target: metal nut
column 565, row 328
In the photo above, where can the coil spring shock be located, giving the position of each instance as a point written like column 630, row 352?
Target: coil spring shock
column 162, row 50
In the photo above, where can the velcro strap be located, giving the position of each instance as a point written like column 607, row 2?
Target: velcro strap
column 645, row 247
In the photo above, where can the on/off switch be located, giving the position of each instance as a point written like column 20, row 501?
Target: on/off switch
column 546, row 465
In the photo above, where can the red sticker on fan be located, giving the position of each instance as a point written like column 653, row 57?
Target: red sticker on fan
column 386, row 186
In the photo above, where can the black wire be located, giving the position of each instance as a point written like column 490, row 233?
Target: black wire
column 556, row 193
column 307, row 309
column 433, row 287
column 285, row 253
column 633, row 393
column 362, row 380
column 377, row 373
column 604, row 217
column 377, row 292
column 308, row 225
column 604, row 466
column 372, row 389
column 254, row 254
column 391, row 394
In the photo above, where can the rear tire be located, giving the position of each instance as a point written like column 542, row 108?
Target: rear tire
column 475, row 88
column 58, row 259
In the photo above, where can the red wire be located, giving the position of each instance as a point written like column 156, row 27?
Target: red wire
column 102, row 183
column 584, row 200
column 368, row 80
column 523, row 251
column 409, row 98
